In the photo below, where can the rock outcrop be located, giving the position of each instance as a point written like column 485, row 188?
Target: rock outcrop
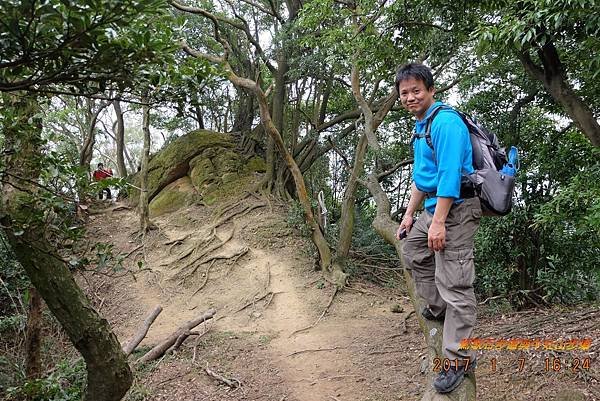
column 198, row 167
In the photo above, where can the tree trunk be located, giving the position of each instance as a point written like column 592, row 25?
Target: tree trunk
column 108, row 374
column 371, row 124
column 120, row 139
column 199, row 117
column 553, row 76
column 91, row 117
column 145, row 224
column 349, row 202
column 87, row 149
column 33, row 340
column 270, row 180
column 244, row 113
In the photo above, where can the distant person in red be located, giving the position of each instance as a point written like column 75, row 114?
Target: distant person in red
column 100, row 174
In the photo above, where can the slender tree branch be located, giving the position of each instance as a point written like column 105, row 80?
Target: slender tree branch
column 393, row 169
column 339, row 152
column 425, row 24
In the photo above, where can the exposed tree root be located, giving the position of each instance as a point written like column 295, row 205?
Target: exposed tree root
column 209, row 249
column 137, row 248
column 239, row 213
column 255, row 300
column 176, row 240
column 205, row 278
column 239, row 253
column 270, row 299
column 266, row 294
column 184, row 254
column 268, row 283
column 232, row 205
column 335, row 291
column 193, row 249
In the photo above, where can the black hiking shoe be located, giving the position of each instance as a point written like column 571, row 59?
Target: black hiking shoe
column 449, row 380
column 427, row 314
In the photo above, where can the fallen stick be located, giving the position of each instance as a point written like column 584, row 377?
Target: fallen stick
column 181, row 339
column 313, row 350
column 137, row 338
column 163, row 346
column 233, row 383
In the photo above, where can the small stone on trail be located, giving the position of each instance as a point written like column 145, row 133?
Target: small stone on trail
column 397, row 308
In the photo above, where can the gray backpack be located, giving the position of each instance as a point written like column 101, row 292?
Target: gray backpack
column 494, row 178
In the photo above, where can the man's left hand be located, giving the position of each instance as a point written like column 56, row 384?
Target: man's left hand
column 436, row 237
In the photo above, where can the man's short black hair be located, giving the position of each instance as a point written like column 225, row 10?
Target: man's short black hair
column 100, row 165
column 417, row 71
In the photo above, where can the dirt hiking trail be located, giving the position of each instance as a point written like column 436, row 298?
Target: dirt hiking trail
column 270, row 335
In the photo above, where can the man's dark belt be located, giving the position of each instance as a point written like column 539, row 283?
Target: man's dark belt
column 466, row 192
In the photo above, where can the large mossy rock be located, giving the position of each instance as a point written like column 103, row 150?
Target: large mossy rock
column 173, row 162
column 219, row 173
column 200, row 167
column 214, row 167
column 174, row 196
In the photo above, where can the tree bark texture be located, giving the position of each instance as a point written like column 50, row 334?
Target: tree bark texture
column 349, row 201
column 120, row 139
column 554, row 78
column 33, row 336
column 244, row 112
column 143, row 205
column 109, row 376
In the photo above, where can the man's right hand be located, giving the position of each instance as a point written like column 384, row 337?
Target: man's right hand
column 406, row 224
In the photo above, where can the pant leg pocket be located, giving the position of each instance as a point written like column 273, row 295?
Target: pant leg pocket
column 476, row 209
column 459, row 268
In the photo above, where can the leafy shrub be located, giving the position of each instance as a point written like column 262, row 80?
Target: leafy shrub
column 65, row 383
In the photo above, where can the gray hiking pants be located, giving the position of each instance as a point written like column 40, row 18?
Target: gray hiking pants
column 445, row 279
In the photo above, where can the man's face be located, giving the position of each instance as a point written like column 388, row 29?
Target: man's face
column 415, row 97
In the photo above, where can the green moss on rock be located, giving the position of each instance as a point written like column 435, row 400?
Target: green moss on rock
column 172, row 162
column 202, row 171
column 227, row 161
column 174, row 196
column 256, row 164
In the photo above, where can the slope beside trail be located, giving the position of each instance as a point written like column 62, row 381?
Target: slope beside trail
column 244, row 260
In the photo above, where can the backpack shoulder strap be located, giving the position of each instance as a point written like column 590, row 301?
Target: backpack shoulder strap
column 427, row 134
column 430, row 122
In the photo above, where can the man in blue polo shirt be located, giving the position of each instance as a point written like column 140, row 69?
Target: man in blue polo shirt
column 439, row 246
